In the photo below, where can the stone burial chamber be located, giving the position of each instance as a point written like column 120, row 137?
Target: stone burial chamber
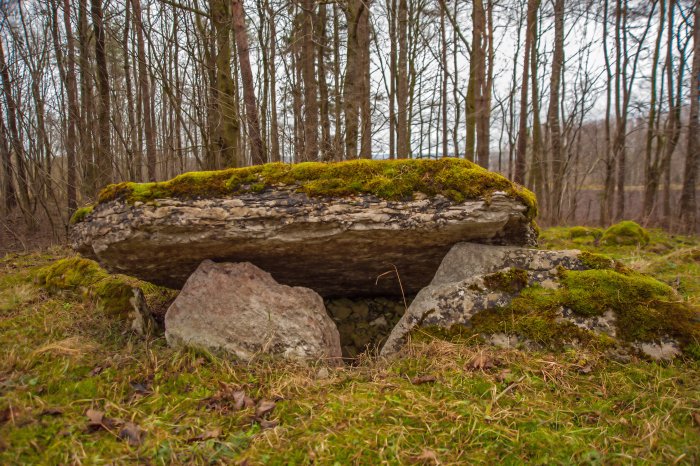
column 334, row 228
column 360, row 234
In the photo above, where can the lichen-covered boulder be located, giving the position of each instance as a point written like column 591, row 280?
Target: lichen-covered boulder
column 242, row 310
column 333, row 227
column 550, row 299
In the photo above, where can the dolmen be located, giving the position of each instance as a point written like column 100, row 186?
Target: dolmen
column 255, row 251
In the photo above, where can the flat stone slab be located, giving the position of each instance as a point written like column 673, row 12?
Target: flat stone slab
column 337, row 246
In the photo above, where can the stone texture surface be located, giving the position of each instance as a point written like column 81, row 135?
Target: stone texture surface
column 338, row 247
column 244, row 311
column 458, row 290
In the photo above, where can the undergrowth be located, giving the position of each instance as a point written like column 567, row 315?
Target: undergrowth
column 438, row 402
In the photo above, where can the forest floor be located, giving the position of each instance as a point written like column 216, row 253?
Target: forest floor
column 78, row 387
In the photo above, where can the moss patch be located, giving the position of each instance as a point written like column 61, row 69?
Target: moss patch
column 111, row 293
column 596, row 261
column 582, row 232
column 80, row 214
column 646, row 310
column 626, row 233
column 457, row 179
column 510, row 281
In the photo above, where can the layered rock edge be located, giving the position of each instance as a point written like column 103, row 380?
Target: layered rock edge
column 337, row 245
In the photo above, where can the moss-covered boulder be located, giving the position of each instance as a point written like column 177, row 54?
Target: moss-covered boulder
column 331, row 227
column 117, row 296
column 626, row 233
column 551, row 299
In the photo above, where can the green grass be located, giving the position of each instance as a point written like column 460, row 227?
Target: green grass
column 62, row 355
column 457, row 179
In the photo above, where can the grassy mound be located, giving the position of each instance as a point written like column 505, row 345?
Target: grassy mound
column 457, row 179
column 583, row 232
column 626, row 233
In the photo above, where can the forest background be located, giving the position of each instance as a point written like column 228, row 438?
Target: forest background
column 593, row 105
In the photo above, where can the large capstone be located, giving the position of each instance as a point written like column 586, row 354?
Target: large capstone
column 242, row 310
column 344, row 229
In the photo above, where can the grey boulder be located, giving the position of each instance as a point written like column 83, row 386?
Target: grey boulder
column 242, row 310
column 463, row 285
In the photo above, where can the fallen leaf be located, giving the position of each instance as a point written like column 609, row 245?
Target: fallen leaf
column 264, row 407
column 206, row 435
column 696, row 418
column 95, row 417
column 241, row 400
column 427, row 457
column 265, row 424
column 131, row 433
column 423, row 379
column 97, row 420
column 504, row 375
column 51, row 412
column 480, row 362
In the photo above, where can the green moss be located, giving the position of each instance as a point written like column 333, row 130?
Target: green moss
column 457, row 179
column 582, row 232
column 510, row 281
column 110, row 293
column 596, row 261
column 626, row 233
column 80, row 214
column 646, row 310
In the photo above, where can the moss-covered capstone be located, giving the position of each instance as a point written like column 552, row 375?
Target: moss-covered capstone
column 331, row 227
column 394, row 180
column 626, row 233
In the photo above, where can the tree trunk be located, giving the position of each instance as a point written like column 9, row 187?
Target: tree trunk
column 321, row 43
column 402, row 143
column 144, row 84
column 553, row 122
column 15, row 141
column 688, row 203
column 104, row 149
column 521, row 154
column 251, row 105
column 308, row 73
column 227, row 126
